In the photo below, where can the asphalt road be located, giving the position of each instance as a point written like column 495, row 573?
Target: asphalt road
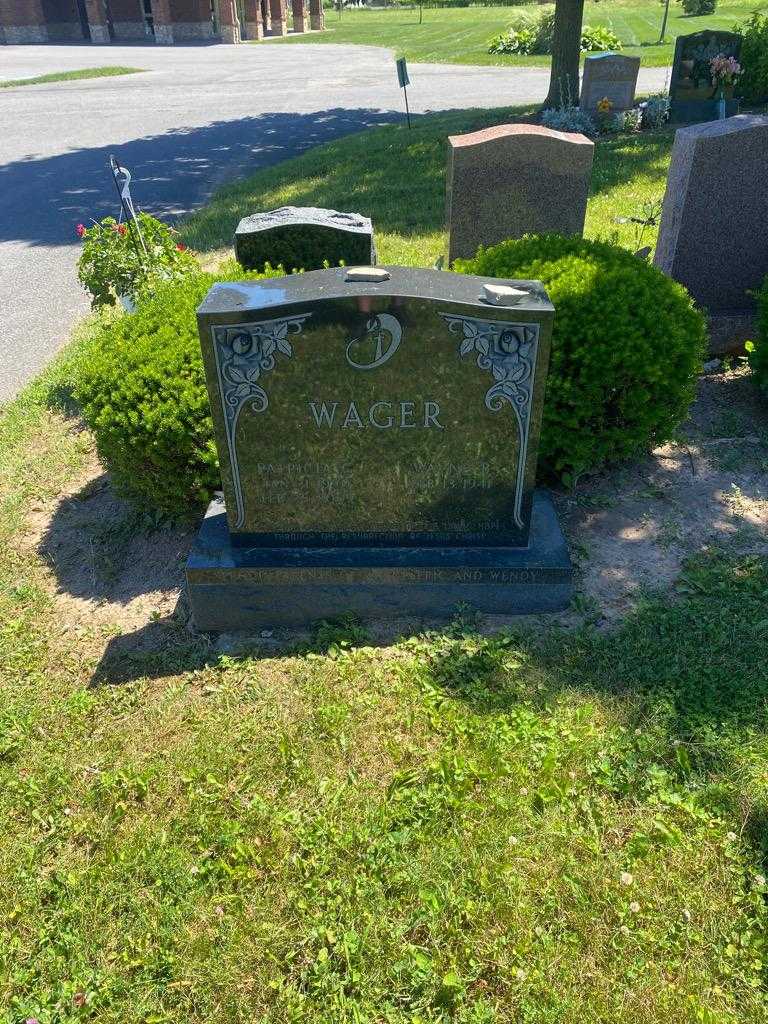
column 198, row 116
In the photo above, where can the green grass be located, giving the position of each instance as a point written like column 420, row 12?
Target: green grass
column 534, row 828
column 397, row 178
column 537, row 827
column 461, row 36
column 67, row 76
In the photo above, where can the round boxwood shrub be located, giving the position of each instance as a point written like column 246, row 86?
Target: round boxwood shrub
column 758, row 350
column 627, row 347
column 142, row 391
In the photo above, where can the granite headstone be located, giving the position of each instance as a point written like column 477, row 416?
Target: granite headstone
column 713, row 236
column 377, row 433
column 303, row 238
column 692, row 95
column 513, row 180
column 610, row 76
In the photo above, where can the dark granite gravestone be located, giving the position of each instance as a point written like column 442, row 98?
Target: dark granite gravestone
column 303, row 238
column 609, row 76
column 377, row 441
column 692, row 95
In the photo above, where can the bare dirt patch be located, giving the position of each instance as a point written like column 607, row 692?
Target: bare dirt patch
column 630, row 530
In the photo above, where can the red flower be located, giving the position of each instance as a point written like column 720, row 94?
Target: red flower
column 80, row 230
column 121, row 229
column 181, row 247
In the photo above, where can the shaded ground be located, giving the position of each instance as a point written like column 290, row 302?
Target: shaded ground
column 630, row 531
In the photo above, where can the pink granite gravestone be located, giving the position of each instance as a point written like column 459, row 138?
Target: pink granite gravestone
column 514, row 180
column 713, row 236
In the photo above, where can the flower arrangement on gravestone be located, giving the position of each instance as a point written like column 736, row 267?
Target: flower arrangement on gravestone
column 120, row 262
column 724, row 71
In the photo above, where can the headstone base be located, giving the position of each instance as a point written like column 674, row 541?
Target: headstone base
column 699, row 111
column 238, row 588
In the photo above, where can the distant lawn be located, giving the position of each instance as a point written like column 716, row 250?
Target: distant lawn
column 461, row 36
column 397, row 178
column 66, row 76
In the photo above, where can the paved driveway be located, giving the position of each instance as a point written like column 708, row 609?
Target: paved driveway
column 199, row 115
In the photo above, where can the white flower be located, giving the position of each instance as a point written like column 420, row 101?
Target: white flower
column 520, row 974
column 687, row 916
column 731, row 837
column 624, row 930
column 760, row 880
column 634, row 906
column 626, row 878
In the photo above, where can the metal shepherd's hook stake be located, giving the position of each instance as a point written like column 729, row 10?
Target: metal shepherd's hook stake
column 122, row 179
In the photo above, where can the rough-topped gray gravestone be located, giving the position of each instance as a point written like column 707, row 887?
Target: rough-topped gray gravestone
column 713, row 236
column 609, row 76
column 377, row 434
column 303, row 238
column 692, row 95
column 513, row 180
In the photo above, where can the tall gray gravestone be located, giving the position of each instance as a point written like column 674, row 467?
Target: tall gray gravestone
column 609, row 76
column 377, row 433
column 692, row 95
column 513, row 180
column 713, row 236
column 303, row 238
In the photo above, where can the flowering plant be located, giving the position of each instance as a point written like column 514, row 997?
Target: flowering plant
column 120, row 261
column 724, row 70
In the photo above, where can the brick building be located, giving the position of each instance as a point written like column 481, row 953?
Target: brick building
column 161, row 21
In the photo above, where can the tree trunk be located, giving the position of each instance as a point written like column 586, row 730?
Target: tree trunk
column 566, row 53
column 662, row 36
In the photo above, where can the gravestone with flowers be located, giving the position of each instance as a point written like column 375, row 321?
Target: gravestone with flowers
column 704, row 73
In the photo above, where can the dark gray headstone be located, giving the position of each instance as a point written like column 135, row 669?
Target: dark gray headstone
column 713, row 236
column 692, row 96
column 377, row 442
column 304, row 238
column 609, row 76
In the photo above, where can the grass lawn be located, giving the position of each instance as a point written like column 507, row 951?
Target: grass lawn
column 397, row 177
column 67, row 76
column 540, row 826
column 461, row 36
column 533, row 826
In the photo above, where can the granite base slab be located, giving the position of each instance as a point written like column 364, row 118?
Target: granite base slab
column 241, row 588
column 699, row 111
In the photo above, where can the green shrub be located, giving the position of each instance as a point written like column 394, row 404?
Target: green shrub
column 753, row 83
column 697, row 7
column 534, row 36
column 627, row 347
column 758, row 351
column 599, row 38
column 142, row 392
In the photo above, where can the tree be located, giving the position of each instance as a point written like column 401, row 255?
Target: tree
column 663, row 33
column 566, row 53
